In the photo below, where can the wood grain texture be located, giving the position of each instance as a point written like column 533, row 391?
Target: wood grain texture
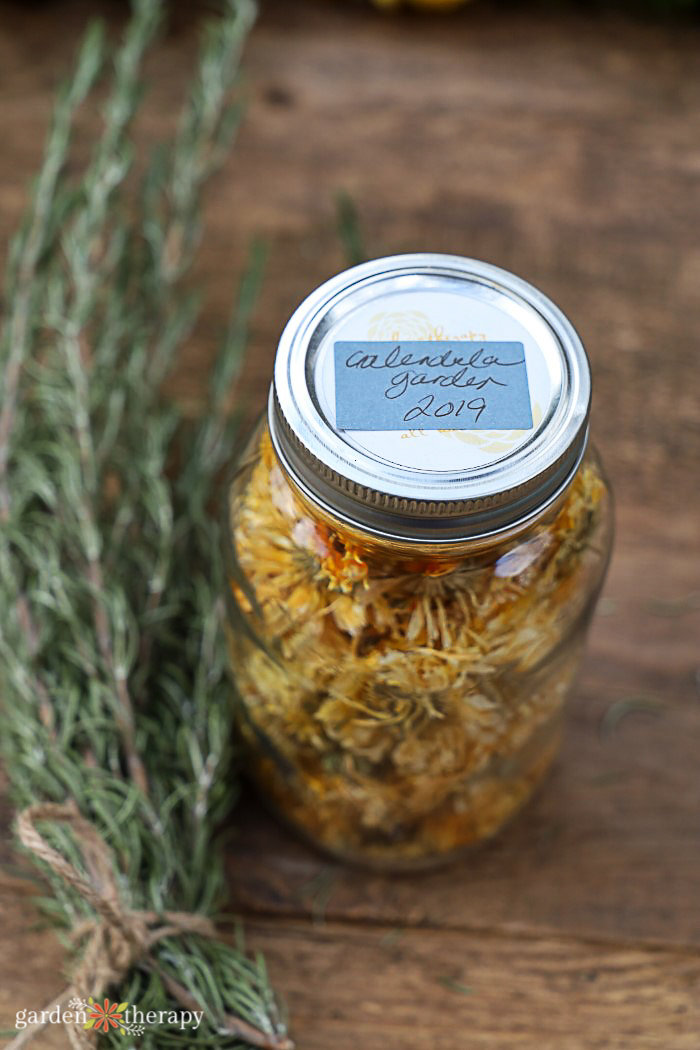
column 351, row 985
column 382, row 990
column 33, row 962
column 565, row 148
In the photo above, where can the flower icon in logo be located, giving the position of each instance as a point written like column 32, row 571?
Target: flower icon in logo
column 107, row 1016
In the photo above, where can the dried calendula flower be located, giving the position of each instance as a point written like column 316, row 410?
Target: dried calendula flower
column 344, row 567
column 403, row 661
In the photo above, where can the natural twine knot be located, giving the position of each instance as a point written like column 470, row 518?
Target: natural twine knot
column 118, row 937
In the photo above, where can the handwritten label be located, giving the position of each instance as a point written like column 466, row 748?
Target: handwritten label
column 446, row 385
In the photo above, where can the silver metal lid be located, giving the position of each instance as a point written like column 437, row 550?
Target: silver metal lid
column 429, row 485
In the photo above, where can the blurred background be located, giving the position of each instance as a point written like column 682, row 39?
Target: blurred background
column 560, row 141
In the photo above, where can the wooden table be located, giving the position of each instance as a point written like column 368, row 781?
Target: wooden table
column 565, row 148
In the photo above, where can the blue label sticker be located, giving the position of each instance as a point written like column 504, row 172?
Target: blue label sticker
column 444, row 385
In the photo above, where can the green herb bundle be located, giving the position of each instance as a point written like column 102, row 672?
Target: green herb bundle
column 112, row 664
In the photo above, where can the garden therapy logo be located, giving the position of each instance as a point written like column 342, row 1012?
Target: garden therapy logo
column 107, row 1017
column 129, row 1020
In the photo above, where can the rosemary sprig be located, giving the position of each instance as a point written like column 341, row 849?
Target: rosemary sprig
column 112, row 666
column 349, row 229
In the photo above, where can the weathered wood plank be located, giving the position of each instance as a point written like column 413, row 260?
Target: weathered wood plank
column 559, row 149
column 386, row 988
column 33, row 962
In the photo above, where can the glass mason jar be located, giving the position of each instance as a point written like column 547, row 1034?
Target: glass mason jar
column 408, row 606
